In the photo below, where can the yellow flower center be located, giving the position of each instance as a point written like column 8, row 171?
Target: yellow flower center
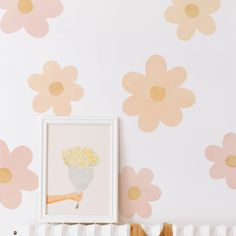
column 192, row 10
column 230, row 161
column 25, row 6
column 157, row 93
column 5, row 175
column 56, row 88
column 134, row 193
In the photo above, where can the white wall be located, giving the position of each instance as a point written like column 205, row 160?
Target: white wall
column 105, row 40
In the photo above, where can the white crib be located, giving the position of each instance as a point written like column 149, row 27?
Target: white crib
column 120, row 230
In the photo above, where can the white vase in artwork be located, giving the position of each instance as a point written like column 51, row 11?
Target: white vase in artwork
column 80, row 178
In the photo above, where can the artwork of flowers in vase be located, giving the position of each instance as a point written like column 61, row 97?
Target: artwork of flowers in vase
column 80, row 162
column 80, row 170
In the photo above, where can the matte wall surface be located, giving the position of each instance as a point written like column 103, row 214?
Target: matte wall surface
column 177, row 100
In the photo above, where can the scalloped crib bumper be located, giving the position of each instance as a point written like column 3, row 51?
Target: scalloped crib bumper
column 120, row 230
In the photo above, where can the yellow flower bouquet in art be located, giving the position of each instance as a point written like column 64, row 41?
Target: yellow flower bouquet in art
column 79, row 157
column 81, row 163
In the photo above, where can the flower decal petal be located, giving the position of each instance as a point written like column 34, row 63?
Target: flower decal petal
column 132, row 105
column 176, row 76
column 206, row 25
column 37, row 82
column 15, row 175
column 40, row 103
column 56, row 89
column 172, row 117
column 37, row 26
column 224, row 159
column 52, row 8
column 75, row 93
column 148, row 123
column 25, row 156
column 192, row 16
column 10, row 198
column 133, row 82
column 69, row 73
column 153, row 193
column 155, row 67
column 171, row 15
column 4, row 152
column 51, row 70
column 183, row 97
column 213, row 153
column 212, row 6
column 185, row 30
column 217, row 172
column 157, row 96
column 145, row 211
column 136, row 191
column 145, row 176
column 62, row 108
column 229, row 142
column 29, row 14
column 24, row 183
column 231, row 181
column 10, row 22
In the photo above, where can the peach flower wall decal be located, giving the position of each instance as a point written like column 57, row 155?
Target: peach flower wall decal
column 14, row 175
column 192, row 16
column 136, row 191
column 157, row 95
column 56, row 87
column 29, row 14
column 224, row 159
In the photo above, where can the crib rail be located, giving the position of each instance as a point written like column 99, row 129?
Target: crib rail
column 121, row 230
column 73, row 230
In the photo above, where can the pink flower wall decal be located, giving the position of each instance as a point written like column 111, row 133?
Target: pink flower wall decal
column 14, row 175
column 136, row 191
column 192, row 16
column 56, row 87
column 224, row 159
column 157, row 96
column 29, row 14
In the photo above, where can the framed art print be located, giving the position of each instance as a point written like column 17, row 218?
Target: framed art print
column 79, row 170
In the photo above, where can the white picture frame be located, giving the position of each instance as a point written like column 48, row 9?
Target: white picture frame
column 55, row 133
